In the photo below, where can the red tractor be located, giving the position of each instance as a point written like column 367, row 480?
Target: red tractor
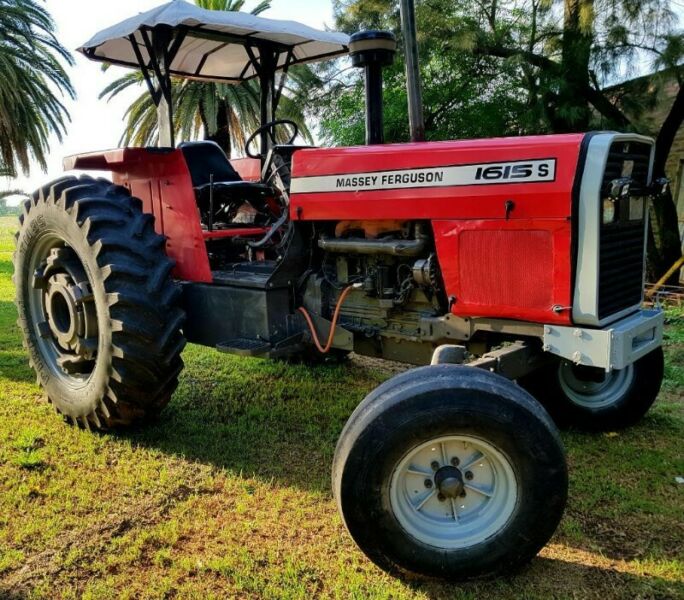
column 523, row 258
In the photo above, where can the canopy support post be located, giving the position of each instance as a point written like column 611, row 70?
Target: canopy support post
column 162, row 47
column 266, row 65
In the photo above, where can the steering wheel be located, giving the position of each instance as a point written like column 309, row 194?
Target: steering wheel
column 270, row 128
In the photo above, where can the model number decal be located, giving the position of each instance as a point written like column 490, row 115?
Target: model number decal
column 525, row 171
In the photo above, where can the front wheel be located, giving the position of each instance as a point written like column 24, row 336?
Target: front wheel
column 591, row 399
column 451, row 472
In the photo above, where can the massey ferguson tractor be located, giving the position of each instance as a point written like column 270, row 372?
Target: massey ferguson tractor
column 511, row 269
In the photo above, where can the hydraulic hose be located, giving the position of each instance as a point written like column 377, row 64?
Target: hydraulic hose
column 325, row 349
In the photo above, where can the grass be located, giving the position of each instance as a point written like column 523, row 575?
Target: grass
column 228, row 494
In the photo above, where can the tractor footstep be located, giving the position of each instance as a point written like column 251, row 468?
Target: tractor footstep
column 244, row 347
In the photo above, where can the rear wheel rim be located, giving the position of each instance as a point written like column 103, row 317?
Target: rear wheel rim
column 594, row 392
column 454, row 491
column 62, row 311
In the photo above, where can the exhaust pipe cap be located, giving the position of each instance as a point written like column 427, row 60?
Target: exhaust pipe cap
column 372, row 47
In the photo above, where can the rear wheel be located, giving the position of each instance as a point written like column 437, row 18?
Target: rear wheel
column 452, row 472
column 591, row 399
column 97, row 307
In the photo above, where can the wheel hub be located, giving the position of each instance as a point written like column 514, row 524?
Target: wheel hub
column 453, row 491
column 449, row 482
column 63, row 305
column 69, row 326
column 593, row 388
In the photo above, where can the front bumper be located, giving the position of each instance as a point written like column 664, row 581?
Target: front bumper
column 615, row 347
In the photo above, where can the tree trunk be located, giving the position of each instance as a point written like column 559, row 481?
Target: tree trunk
column 665, row 245
column 222, row 134
column 575, row 114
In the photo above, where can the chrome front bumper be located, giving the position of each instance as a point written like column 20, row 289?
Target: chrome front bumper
column 615, row 347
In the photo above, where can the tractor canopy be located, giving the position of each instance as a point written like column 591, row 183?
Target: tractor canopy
column 179, row 39
column 212, row 45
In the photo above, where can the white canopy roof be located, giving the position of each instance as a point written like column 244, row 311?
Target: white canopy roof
column 214, row 46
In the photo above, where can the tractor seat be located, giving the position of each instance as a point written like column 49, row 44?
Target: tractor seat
column 205, row 159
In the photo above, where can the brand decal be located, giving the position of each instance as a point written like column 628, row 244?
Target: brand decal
column 529, row 171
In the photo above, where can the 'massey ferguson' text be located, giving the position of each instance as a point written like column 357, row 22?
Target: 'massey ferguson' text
column 388, row 179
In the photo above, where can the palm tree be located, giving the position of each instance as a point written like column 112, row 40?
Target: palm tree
column 214, row 111
column 33, row 79
column 7, row 193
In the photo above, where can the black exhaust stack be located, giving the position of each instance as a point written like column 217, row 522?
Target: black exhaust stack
column 373, row 50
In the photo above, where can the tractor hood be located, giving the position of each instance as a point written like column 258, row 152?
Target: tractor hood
column 213, row 45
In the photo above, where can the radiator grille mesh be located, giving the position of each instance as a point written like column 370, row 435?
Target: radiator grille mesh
column 621, row 245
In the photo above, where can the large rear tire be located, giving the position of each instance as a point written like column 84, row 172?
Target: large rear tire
column 97, row 307
column 593, row 400
column 451, row 472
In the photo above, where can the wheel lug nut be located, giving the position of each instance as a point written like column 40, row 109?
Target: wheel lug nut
column 469, row 475
column 441, row 497
column 434, row 465
column 428, row 483
column 455, row 462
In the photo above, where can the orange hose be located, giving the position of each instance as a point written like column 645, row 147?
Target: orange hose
column 336, row 316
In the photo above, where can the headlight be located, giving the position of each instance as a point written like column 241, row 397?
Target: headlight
column 609, row 211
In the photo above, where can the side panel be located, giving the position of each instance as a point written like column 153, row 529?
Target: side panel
column 506, row 269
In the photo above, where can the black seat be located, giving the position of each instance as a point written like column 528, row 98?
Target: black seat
column 205, row 159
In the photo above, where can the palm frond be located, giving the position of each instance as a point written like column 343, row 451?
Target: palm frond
column 32, row 69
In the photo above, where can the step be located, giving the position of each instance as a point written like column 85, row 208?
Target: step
column 251, row 275
column 244, row 347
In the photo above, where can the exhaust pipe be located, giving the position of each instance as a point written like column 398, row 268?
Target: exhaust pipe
column 373, row 247
column 415, row 95
column 373, row 50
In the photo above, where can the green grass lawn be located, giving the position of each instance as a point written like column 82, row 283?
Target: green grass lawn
column 228, row 494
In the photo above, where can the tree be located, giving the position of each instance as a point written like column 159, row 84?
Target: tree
column 7, row 193
column 33, row 79
column 464, row 95
column 214, row 111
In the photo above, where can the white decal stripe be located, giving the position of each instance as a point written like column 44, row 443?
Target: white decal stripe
column 525, row 171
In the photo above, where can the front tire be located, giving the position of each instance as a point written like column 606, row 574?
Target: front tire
column 97, row 307
column 451, row 472
column 591, row 399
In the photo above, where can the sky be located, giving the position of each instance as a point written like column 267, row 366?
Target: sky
column 97, row 124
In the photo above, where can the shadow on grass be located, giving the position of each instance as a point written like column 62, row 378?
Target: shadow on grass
column 264, row 419
column 7, row 593
column 13, row 358
column 557, row 578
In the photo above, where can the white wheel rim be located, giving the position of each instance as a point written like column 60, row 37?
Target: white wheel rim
column 594, row 394
column 488, row 480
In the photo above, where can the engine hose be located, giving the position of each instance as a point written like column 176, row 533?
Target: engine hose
column 333, row 325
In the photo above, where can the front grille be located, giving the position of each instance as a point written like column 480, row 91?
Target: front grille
column 621, row 247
